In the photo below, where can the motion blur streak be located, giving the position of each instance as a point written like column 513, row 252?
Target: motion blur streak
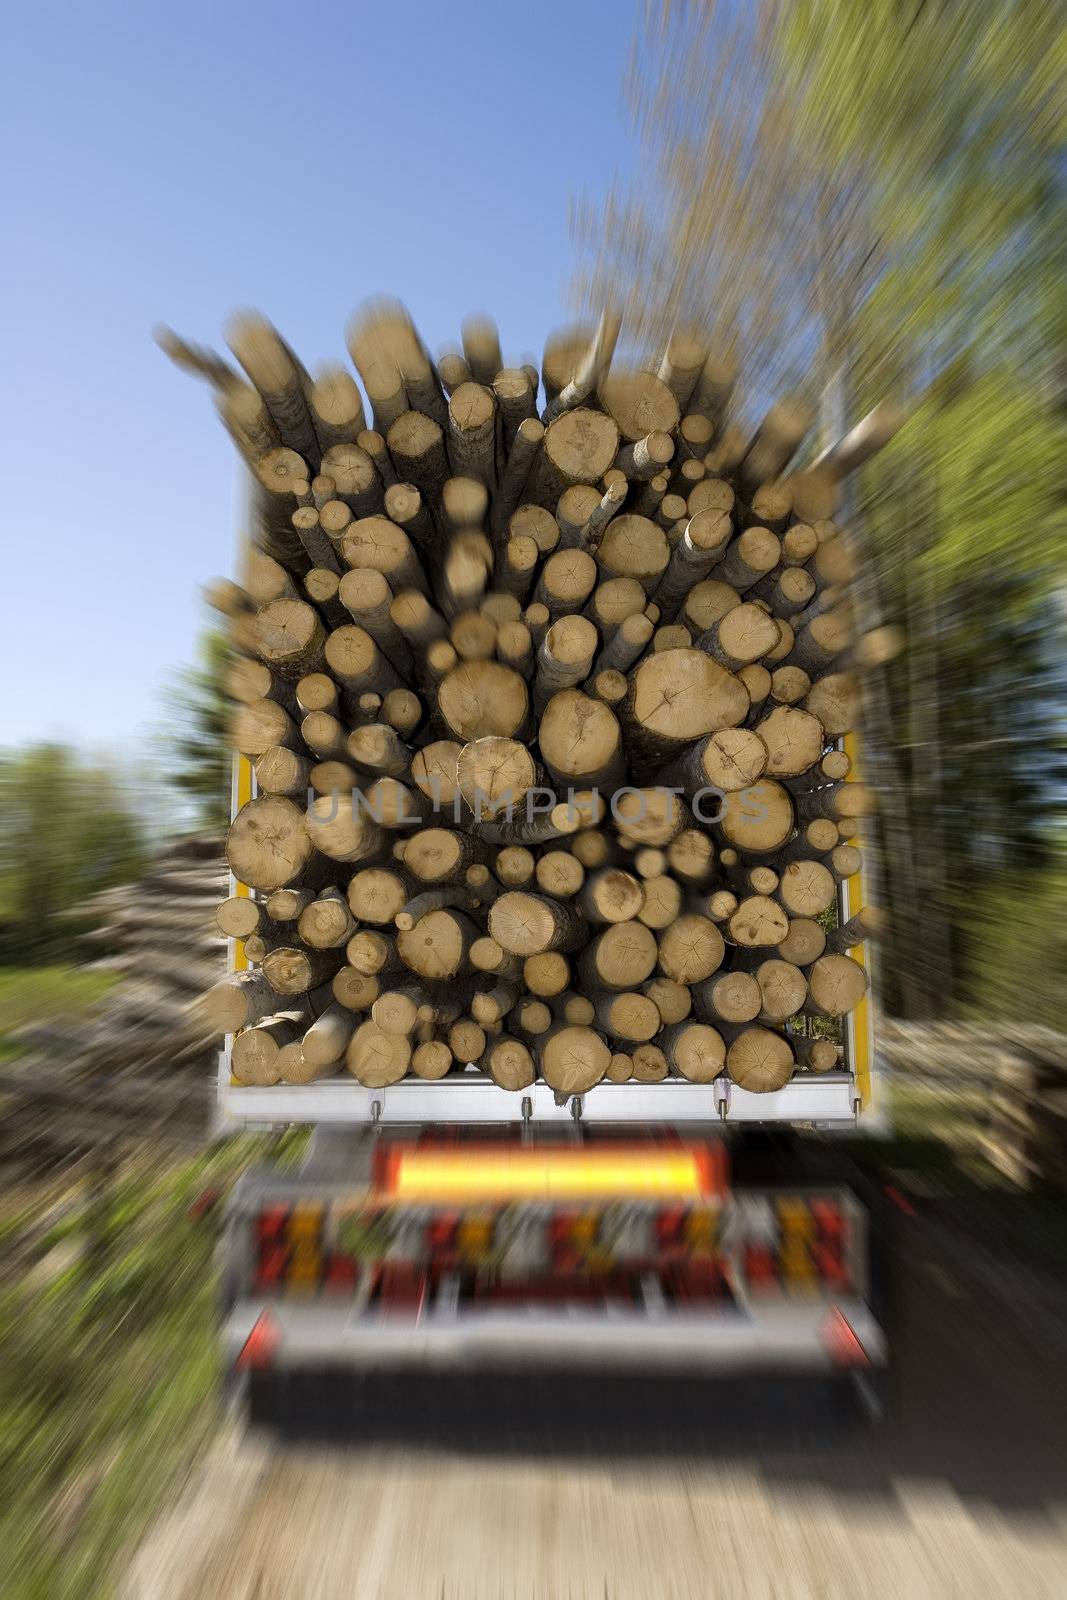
column 858, row 202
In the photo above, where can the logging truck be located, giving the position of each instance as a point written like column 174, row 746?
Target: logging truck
column 572, row 1045
column 644, row 1226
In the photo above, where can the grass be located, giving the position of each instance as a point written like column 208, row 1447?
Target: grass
column 108, row 1370
column 41, row 994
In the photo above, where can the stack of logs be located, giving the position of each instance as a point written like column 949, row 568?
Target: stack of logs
column 545, row 712
column 137, row 1068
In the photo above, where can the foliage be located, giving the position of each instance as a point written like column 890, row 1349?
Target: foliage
column 67, row 831
column 873, row 195
column 195, row 745
column 108, row 1368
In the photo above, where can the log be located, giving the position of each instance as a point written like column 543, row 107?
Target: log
column 590, row 370
column 510, row 1064
column 662, row 903
column 740, row 637
column 367, row 598
column 839, row 802
column 326, row 923
column 559, row 873
column 477, row 699
column 647, row 457
column 573, row 1060
column 672, row 1000
column 804, row 943
column 516, row 401
column 239, row 916
column 580, row 740
column 467, row 1041
column 783, row 990
column 270, row 366
column 648, row 1064
column 326, row 1040
column 343, row 827
column 836, row 986
column 776, row 441
column 757, row 820
column 806, row 888
column 524, row 453
column 626, row 645
column 472, row 433
column 354, row 990
column 567, row 580
column 834, row 699
column 694, row 1050
column 375, row 748
column 436, row 947
column 793, row 740
column 440, row 855
column 758, row 922
column 292, row 970
column 677, row 696
column 691, row 857
column 431, row 1060
column 639, row 403
column 494, row 776
column 355, row 478
column 634, row 547
column 612, row 602
column 526, row 924
column 375, row 542
column 690, row 949
column 619, row 958
column 375, row 1058
column 370, row 953
column 631, row 1017
column 706, row 603
column 759, row 1060
column 748, row 559
column 611, row 895
column 417, row 446
column 730, row 760
column 573, row 511
column 565, row 657
column 698, row 550
column 578, row 447
column 336, row 408
column 546, row 975
column 268, row 846
column 868, row 923
column 731, row 997
column 237, row 1002
column 254, row 1057
column 289, row 637
column 817, row 1055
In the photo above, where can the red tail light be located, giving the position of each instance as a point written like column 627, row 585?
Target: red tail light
column 842, row 1343
column 259, row 1349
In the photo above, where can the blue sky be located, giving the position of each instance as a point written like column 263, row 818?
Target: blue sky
column 170, row 163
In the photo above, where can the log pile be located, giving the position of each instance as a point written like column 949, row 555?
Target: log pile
column 139, row 1066
column 544, row 698
column 1016, row 1079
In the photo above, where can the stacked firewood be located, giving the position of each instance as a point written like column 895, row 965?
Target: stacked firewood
column 544, row 697
column 138, row 1067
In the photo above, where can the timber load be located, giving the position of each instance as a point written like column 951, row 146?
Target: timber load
column 544, row 680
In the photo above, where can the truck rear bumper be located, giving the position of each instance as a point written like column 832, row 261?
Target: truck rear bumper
column 810, row 1338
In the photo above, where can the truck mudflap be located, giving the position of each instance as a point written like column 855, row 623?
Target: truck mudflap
column 281, row 1336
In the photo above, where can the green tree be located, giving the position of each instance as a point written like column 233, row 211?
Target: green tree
column 873, row 193
column 67, row 831
column 195, row 742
